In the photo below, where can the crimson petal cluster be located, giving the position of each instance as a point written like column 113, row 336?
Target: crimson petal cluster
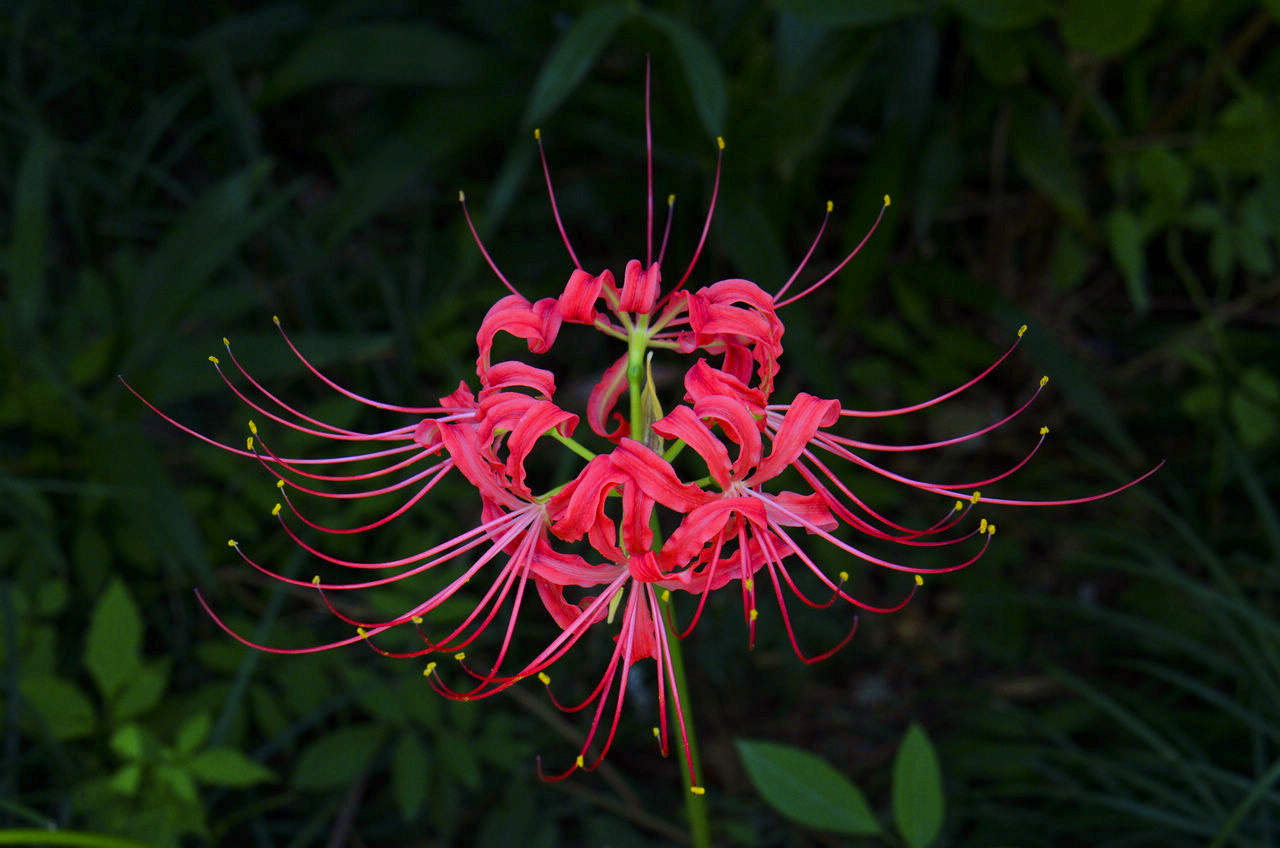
column 591, row 548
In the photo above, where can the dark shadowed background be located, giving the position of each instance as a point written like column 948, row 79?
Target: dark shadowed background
column 1105, row 172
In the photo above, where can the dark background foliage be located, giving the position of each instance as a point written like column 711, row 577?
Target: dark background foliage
column 1106, row 172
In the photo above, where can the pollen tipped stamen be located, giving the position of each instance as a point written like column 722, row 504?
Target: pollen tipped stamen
column 462, row 198
column 367, row 493
column 551, row 195
column 805, row 261
column 342, row 390
column 706, row 226
column 389, row 517
column 666, row 229
column 779, row 304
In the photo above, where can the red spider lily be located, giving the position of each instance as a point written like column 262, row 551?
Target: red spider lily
column 738, row 523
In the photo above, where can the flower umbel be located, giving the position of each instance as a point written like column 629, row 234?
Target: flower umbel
column 724, row 485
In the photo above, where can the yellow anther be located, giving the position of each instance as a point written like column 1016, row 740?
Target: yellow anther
column 991, row 529
column 844, row 577
column 248, row 443
column 975, row 497
column 1044, row 381
column 887, row 202
column 253, row 428
column 657, row 734
column 1044, row 431
column 280, row 483
column 671, row 200
column 1022, row 330
column 417, row 619
column 749, row 584
column 431, row 667
column 315, row 580
column 755, row 613
column 544, row 678
column 275, row 510
column 232, row 543
column 830, row 206
column 919, row 580
column 698, row 790
column 666, row 595
column 214, row 360
column 720, row 142
column 537, row 133
column 579, row 762
column 275, row 319
column 226, row 342
column 462, row 196
column 982, row 526
column 959, row 505
column 460, row 656
column 362, row 633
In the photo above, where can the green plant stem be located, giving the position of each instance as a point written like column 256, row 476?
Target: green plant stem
column 695, row 805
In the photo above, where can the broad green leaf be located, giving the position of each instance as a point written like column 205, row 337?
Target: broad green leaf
column 864, row 13
column 806, row 788
column 918, row 803
column 142, row 690
column 386, row 54
column 193, row 733
column 702, row 71
column 180, row 782
column 571, row 58
column 410, row 771
column 127, row 779
column 337, row 758
column 1106, row 27
column 228, row 767
column 1253, row 408
column 456, row 754
column 58, row 705
column 112, row 644
column 28, row 245
column 128, row 742
column 1128, row 248
column 1002, row 14
column 1039, row 147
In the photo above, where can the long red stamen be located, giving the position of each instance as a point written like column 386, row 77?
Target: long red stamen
column 462, row 198
column 843, row 262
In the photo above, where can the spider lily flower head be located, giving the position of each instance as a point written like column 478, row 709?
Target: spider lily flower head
column 592, row 549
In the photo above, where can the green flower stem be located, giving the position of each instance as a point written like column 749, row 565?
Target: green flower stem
column 572, row 444
column 35, row 836
column 695, row 805
column 686, row 741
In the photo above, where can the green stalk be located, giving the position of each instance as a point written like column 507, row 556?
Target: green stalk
column 639, row 385
column 32, row 836
column 695, row 805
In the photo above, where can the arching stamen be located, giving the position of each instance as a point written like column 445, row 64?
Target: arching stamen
column 822, row 229
column 706, row 226
column 648, row 164
column 666, row 230
column 845, row 261
column 390, row 407
column 462, row 198
column 551, row 195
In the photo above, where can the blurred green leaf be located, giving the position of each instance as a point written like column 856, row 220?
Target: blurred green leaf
column 227, row 767
column 114, row 640
column 1128, row 247
column 128, row 742
column 58, row 705
column 1255, row 408
column 193, row 733
column 381, row 54
column 127, row 779
column 28, row 245
column 410, row 773
column 1040, row 148
column 1106, row 28
column 864, row 13
column 574, row 54
column 806, row 788
column 918, row 802
column 338, row 758
column 702, row 71
column 1002, row 14
column 143, row 690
